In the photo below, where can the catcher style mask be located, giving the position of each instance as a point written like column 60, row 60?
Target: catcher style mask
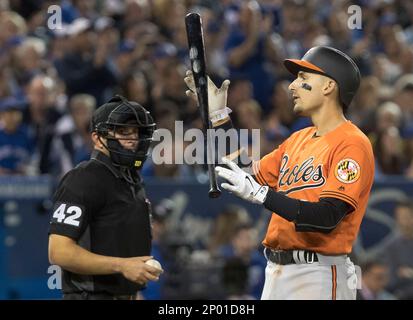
column 127, row 115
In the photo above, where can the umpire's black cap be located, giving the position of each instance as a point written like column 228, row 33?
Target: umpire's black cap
column 332, row 63
column 104, row 112
column 101, row 115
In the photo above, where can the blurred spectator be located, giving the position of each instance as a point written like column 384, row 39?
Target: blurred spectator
column 398, row 255
column 160, row 213
column 85, row 68
column 136, row 87
column 26, row 9
column 408, row 135
column 246, row 48
column 164, row 57
column 124, row 59
column 165, row 162
column 224, row 227
column 172, row 86
column 388, row 149
column 387, row 141
column 78, row 8
column 107, row 33
column 241, row 91
column 282, row 104
column 295, row 16
column 249, row 115
column 338, row 30
column 169, row 15
column 365, row 104
column 388, row 115
column 13, row 27
column 374, row 281
column 72, row 142
column 167, row 112
column 164, row 54
column 16, row 139
column 275, row 133
column 6, row 84
column 244, row 245
column 136, row 11
column 235, row 279
column 42, row 114
column 403, row 96
column 36, row 21
column 59, row 44
column 179, row 39
column 215, row 34
column 29, row 60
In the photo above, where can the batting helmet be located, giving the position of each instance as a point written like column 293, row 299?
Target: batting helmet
column 332, row 63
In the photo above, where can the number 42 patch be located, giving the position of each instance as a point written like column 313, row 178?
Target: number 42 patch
column 68, row 214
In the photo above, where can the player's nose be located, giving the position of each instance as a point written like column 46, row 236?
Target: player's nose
column 292, row 87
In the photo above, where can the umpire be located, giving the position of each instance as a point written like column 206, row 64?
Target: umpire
column 100, row 233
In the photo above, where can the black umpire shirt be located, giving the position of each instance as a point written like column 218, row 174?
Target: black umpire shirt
column 105, row 214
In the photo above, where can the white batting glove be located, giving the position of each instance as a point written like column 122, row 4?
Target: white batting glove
column 217, row 98
column 241, row 183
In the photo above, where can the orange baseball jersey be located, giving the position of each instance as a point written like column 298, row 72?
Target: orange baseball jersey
column 338, row 165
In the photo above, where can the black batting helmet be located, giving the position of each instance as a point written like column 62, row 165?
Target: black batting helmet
column 332, row 63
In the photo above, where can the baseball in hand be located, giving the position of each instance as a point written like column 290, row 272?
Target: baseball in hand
column 154, row 263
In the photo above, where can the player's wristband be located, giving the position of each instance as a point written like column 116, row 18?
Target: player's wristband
column 219, row 115
column 261, row 194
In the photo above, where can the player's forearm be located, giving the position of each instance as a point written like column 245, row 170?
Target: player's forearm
column 81, row 261
column 322, row 216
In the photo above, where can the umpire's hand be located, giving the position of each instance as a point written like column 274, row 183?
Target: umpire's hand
column 135, row 269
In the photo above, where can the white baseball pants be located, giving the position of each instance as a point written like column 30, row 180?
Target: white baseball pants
column 331, row 278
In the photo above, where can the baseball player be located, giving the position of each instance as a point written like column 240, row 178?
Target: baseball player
column 317, row 182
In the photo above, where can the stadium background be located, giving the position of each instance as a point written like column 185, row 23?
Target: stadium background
column 56, row 77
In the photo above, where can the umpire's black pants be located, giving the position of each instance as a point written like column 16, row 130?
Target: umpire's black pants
column 96, row 296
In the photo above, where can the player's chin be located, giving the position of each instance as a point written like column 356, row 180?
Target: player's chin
column 298, row 110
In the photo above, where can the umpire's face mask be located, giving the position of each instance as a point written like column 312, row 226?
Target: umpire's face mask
column 128, row 132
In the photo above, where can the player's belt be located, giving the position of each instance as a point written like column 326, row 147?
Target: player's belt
column 284, row 257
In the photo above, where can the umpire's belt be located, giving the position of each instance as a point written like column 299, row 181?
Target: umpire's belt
column 284, row 257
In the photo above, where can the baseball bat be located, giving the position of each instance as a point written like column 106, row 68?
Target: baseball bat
column 195, row 36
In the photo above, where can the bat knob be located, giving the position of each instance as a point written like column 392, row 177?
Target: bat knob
column 214, row 193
